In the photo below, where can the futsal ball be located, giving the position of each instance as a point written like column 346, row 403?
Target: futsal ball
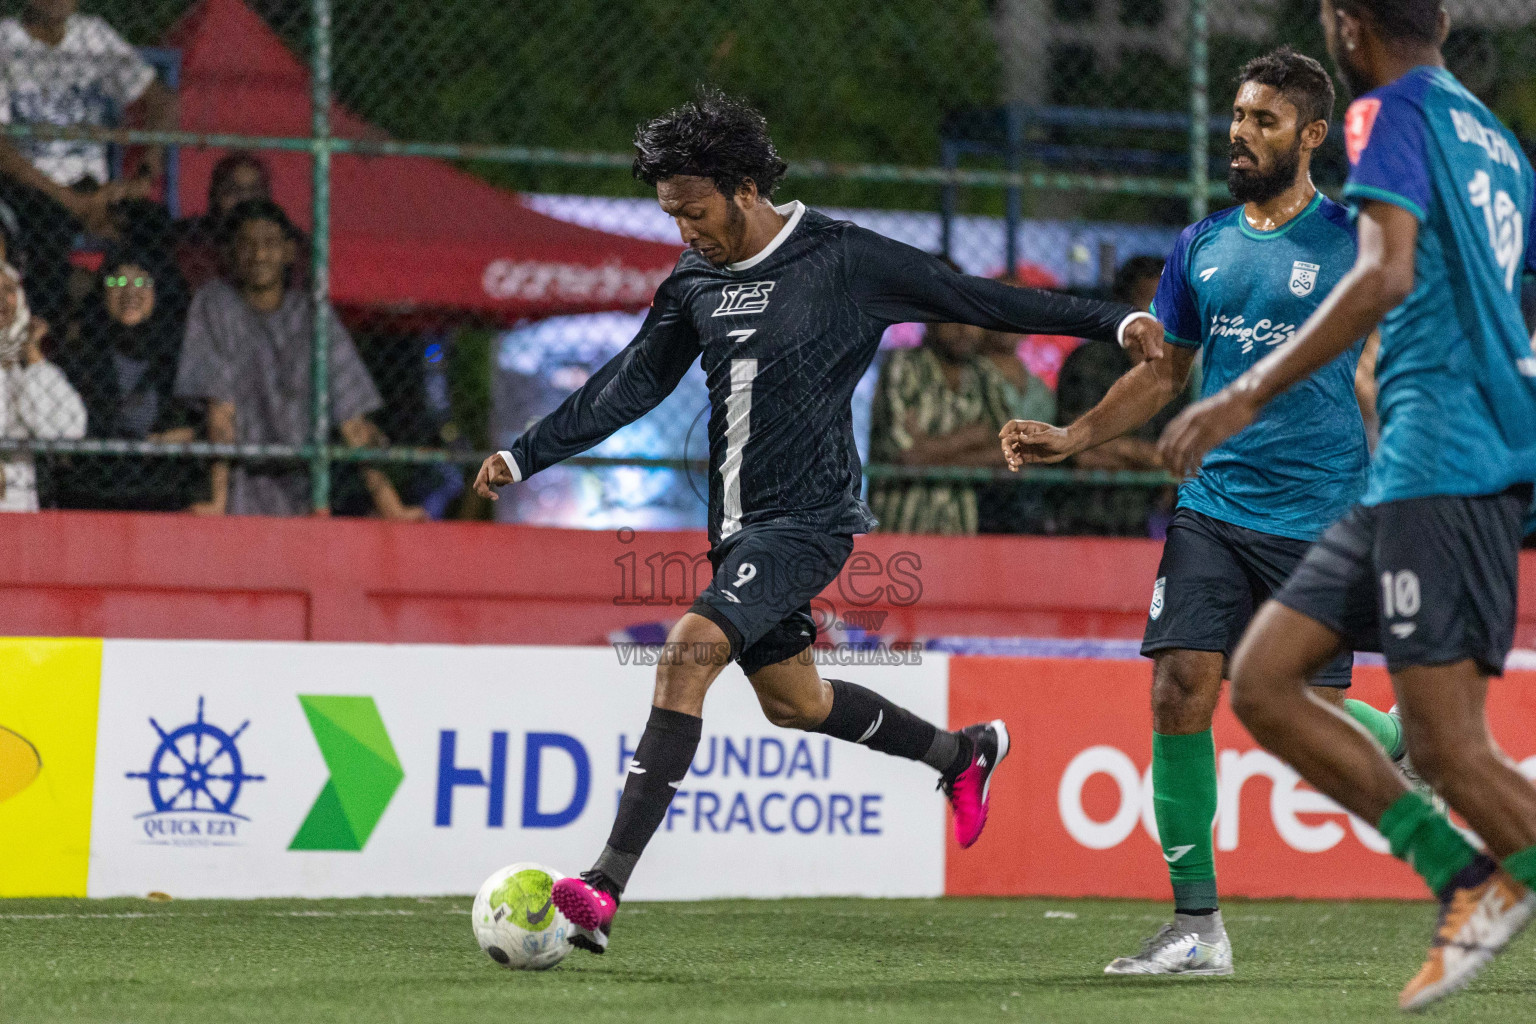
column 516, row 922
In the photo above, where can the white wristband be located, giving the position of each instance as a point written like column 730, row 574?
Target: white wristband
column 517, row 474
column 1120, row 331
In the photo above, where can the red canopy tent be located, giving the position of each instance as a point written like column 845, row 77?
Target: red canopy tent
column 407, row 234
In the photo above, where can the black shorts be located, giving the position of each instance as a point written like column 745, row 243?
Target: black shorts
column 1211, row 581
column 1428, row 581
column 765, row 577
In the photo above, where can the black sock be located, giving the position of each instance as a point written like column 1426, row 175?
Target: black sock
column 860, row 715
column 661, row 761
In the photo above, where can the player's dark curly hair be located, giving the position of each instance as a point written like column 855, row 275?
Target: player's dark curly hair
column 1412, row 21
column 711, row 136
column 1299, row 79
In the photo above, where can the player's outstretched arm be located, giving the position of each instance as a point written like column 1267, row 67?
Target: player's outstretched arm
column 1381, row 279
column 624, row 389
column 894, row 282
column 1135, row 398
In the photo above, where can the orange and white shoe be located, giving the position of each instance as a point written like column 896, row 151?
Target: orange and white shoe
column 1483, row 910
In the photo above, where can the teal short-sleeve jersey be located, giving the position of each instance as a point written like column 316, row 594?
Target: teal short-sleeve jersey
column 1236, row 293
column 1456, row 374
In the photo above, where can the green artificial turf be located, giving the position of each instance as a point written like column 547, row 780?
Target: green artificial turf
column 955, row 960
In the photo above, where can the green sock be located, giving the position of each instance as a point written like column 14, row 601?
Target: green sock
column 1521, row 866
column 1184, row 796
column 1427, row 841
column 1382, row 726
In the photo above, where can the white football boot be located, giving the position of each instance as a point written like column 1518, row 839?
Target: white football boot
column 1173, row 951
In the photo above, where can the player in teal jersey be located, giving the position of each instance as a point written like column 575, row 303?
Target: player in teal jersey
column 1237, row 285
column 1425, row 568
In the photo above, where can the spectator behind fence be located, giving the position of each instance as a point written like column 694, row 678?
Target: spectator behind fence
column 36, row 400
column 65, row 69
column 1006, row 506
column 247, row 354
column 240, row 175
column 940, row 404
column 1086, row 377
column 122, row 360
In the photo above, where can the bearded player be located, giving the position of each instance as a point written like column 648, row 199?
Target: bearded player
column 1425, row 568
column 1237, row 285
column 786, row 308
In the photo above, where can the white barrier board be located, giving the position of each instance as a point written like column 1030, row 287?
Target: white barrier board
column 307, row 769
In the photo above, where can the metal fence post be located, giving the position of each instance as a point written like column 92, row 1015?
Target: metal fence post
column 1013, row 196
column 320, row 258
column 949, row 157
column 1199, row 110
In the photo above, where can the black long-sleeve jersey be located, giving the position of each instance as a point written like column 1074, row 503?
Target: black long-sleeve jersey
column 785, row 337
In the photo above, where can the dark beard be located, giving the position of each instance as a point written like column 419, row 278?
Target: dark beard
column 1354, row 81
column 1258, row 187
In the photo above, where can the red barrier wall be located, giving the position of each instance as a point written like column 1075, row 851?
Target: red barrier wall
column 173, row 576
column 1069, row 813
column 176, row 576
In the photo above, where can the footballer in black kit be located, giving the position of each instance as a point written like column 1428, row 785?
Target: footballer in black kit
column 784, row 337
column 785, row 307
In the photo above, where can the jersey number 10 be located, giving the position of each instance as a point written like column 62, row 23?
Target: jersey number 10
column 1505, row 232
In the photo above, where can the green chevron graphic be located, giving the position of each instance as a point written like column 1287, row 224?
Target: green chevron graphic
column 364, row 773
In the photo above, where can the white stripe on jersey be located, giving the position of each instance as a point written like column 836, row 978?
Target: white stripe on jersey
column 738, row 428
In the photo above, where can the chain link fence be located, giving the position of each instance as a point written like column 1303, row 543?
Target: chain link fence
column 177, row 206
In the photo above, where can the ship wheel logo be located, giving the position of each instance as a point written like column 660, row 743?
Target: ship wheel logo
column 196, row 768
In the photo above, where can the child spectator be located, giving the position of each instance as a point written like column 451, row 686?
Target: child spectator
column 36, row 400
column 247, row 354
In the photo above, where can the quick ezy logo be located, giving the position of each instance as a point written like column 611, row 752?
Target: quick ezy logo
column 195, row 777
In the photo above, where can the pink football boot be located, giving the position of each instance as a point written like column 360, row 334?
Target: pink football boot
column 589, row 908
column 968, row 791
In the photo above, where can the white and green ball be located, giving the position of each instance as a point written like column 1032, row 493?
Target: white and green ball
column 516, row 922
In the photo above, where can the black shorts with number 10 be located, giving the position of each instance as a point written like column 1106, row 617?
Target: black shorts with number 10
column 1213, row 577
column 1425, row 581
